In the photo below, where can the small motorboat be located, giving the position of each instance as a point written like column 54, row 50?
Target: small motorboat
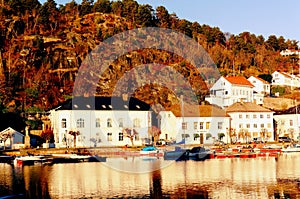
column 149, row 150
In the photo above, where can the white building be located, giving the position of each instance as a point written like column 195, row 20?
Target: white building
column 289, row 52
column 260, row 86
column 228, row 90
column 197, row 124
column 101, row 121
column 249, row 120
column 288, row 125
column 10, row 138
column 284, row 79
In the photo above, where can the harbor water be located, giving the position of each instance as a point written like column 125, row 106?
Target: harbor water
column 153, row 177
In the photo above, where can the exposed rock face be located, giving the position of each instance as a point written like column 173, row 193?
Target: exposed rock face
column 39, row 68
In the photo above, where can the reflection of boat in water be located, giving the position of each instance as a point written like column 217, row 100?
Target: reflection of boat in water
column 177, row 154
column 195, row 153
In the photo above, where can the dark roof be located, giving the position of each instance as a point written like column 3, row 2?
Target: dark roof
column 104, row 103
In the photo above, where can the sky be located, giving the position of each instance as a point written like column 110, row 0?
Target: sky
column 260, row 17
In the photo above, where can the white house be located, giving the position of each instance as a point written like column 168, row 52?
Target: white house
column 197, row 124
column 228, row 90
column 101, row 121
column 285, row 79
column 288, row 52
column 10, row 138
column 260, row 86
column 288, row 125
column 249, row 120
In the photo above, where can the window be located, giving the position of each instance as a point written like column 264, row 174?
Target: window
column 220, row 125
column 268, row 116
column 98, row 123
column 120, row 122
column 261, row 116
column 137, row 137
column 120, row 136
column 109, row 136
column 64, row 123
column 240, row 116
column 80, row 123
column 254, row 125
column 226, row 92
column 207, row 125
column 184, row 125
column 201, row 125
column 109, row 122
column 269, row 125
column 291, row 123
column 254, row 116
column 262, row 125
column 247, row 116
column 240, row 126
column 195, row 125
column 248, row 126
column 136, row 123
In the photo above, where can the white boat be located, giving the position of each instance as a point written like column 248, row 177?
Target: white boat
column 149, row 150
column 291, row 148
column 31, row 160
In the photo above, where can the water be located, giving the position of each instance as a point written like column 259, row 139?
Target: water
column 262, row 177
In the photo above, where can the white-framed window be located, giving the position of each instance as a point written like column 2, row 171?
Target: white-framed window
column 248, row 126
column 262, row 125
column 207, row 125
column 195, row 125
column 247, row 116
column 255, row 126
column 261, row 116
column 63, row 123
column 109, row 122
column 254, row 116
column 269, row 125
column 184, row 125
column 109, row 136
column 80, row 123
column 240, row 116
column 136, row 123
column 121, row 122
column 268, row 116
column 98, row 123
column 201, row 125
column 291, row 122
column 136, row 137
column 240, row 126
column 120, row 136
column 220, row 125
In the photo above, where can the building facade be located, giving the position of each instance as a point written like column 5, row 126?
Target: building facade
column 248, row 121
column 288, row 125
column 195, row 125
column 260, row 86
column 101, row 121
column 12, row 139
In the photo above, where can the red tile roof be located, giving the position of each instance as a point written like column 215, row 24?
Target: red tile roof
column 239, row 80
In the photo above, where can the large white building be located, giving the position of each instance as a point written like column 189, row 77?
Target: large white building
column 249, row 120
column 288, row 125
column 101, row 121
column 195, row 124
column 228, row 90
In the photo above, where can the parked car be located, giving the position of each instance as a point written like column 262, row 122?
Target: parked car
column 284, row 139
column 257, row 140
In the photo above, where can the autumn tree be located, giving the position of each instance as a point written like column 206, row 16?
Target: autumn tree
column 163, row 17
column 47, row 135
column 103, row 6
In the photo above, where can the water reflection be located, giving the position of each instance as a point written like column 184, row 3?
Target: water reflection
column 216, row 178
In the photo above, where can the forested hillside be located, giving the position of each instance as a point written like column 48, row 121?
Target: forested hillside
column 43, row 45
